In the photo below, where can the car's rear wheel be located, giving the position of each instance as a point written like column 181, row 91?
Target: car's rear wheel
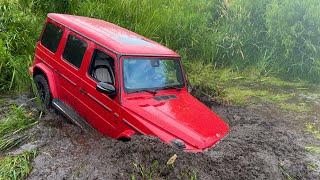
column 43, row 89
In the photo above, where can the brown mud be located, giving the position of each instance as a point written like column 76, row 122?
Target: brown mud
column 264, row 142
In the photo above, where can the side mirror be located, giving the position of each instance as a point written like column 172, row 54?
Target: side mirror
column 106, row 88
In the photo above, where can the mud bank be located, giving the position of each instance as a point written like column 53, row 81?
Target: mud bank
column 261, row 145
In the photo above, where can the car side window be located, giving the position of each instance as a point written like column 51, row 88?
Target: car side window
column 102, row 67
column 74, row 50
column 51, row 37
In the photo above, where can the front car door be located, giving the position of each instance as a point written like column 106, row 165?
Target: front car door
column 100, row 110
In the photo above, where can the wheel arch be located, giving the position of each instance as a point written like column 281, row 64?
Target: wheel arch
column 42, row 69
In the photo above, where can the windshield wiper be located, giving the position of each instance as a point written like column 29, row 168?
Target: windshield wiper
column 153, row 92
column 171, row 87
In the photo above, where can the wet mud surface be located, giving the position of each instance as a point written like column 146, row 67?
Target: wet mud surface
column 263, row 143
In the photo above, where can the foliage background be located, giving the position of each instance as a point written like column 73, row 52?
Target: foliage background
column 268, row 37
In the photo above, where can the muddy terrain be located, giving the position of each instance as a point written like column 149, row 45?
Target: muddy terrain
column 264, row 143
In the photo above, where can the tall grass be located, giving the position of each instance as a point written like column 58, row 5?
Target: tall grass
column 183, row 25
column 277, row 37
column 19, row 29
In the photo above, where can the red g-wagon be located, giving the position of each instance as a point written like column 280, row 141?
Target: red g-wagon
column 103, row 76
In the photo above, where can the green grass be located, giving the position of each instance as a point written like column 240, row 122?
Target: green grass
column 276, row 82
column 239, row 96
column 296, row 107
column 313, row 149
column 245, row 88
column 16, row 167
column 16, row 121
column 313, row 166
column 19, row 30
column 313, row 129
column 230, row 36
column 248, row 87
column 12, row 126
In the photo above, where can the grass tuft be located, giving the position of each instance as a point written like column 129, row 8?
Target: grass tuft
column 296, row 107
column 16, row 121
column 313, row 129
column 16, row 167
column 313, row 149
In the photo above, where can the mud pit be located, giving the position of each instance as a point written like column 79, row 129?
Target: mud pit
column 263, row 143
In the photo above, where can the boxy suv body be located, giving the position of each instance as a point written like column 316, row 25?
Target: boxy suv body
column 120, row 83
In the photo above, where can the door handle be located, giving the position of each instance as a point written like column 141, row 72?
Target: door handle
column 82, row 91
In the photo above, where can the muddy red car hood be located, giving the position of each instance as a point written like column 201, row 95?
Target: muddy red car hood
column 179, row 116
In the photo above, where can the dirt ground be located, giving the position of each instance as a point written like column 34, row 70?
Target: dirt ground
column 264, row 143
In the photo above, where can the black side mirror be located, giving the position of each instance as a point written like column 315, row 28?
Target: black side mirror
column 106, row 88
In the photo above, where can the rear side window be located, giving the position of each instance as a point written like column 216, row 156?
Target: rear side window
column 74, row 50
column 51, row 37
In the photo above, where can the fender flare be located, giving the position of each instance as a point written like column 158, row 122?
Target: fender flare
column 50, row 78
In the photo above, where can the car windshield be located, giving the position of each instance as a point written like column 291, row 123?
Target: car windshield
column 151, row 74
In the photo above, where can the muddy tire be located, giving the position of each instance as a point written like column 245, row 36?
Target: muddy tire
column 43, row 90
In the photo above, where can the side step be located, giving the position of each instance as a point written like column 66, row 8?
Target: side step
column 73, row 116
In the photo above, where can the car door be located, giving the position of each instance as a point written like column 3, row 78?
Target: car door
column 100, row 110
column 71, row 58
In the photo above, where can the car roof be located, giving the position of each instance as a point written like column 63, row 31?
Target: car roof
column 111, row 36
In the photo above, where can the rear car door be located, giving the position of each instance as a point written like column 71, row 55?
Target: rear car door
column 48, row 48
column 71, row 58
column 100, row 110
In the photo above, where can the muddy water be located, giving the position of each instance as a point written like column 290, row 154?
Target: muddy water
column 264, row 143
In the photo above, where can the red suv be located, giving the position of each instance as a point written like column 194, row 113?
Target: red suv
column 103, row 76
